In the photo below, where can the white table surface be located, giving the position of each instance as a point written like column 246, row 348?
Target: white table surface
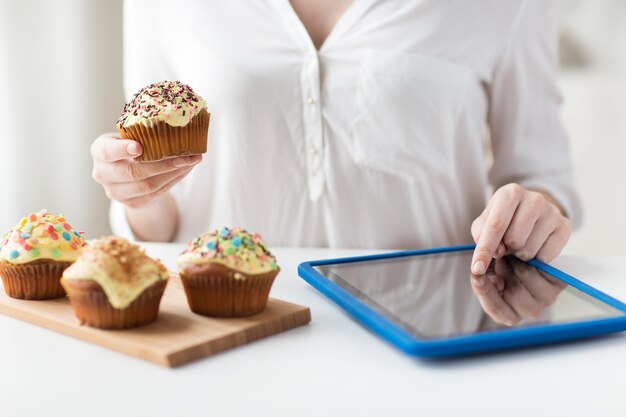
column 333, row 366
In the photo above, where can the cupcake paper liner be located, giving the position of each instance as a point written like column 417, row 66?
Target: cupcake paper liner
column 217, row 293
column 36, row 280
column 162, row 140
column 91, row 305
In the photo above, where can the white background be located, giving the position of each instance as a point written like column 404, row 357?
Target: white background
column 61, row 77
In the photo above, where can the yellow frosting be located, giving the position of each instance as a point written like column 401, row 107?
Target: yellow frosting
column 41, row 236
column 234, row 248
column 122, row 269
column 168, row 101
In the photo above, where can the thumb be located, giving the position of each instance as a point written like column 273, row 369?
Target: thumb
column 110, row 148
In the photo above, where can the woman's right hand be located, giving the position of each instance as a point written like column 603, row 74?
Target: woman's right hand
column 135, row 184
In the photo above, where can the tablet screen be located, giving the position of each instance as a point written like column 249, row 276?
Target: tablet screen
column 432, row 296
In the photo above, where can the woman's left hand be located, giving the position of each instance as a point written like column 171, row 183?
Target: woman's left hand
column 526, row 223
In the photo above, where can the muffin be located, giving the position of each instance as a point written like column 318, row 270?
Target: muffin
column 227, row 273
column 168, row 119
column 115, row 285
column 34, row 254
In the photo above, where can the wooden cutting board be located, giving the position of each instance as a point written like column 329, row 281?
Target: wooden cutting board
column 177, row 337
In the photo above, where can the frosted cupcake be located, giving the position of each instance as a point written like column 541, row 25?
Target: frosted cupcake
column 168, row 118
column 115, row 285
column 227, row 273
column 34, row 254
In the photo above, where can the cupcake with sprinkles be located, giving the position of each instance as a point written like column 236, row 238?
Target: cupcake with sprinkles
column 34, row 254
column 227, row 273
column 168, row 119
column 115, row 285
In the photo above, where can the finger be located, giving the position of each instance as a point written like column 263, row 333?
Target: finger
column 477, row 226
column 555, row 242
column 128, row 190
column 110, row 148
column 491, row 301
column 502, row 208
column 500, row 251
column 146, row 200
column 530, row 209
column 478, row 223
column 131, row 171
column 543, row 228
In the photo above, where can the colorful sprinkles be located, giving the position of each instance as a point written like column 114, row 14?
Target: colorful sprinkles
column 235, row 248
column 41, row 235
column 160, row 99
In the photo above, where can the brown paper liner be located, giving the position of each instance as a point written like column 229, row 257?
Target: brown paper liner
column 215, row 292
column 91, row 305
column 36, row 280
column 162, row 140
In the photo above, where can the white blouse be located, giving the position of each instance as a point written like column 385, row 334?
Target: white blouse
column 377, row 140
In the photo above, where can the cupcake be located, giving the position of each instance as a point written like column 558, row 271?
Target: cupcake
column 34, row 254
column 227, row 273
column 168, row 119
column 115, row 285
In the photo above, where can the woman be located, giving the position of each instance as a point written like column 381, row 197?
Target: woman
column 354, row 124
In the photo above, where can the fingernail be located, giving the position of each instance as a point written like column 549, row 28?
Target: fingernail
column 479, row 281
column 133, row 149
column 479, row 267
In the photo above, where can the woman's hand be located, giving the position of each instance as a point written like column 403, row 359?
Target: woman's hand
column 135, row 184
column 526, row 223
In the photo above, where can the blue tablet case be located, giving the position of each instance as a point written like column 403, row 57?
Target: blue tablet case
column 468, row 344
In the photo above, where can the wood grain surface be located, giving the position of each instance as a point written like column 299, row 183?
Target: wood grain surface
column 177, row 337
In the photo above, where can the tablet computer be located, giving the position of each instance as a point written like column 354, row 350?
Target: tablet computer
column 425, row 302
